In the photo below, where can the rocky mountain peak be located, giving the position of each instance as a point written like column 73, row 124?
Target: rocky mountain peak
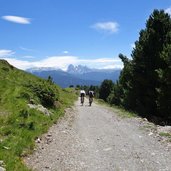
column 80, row 69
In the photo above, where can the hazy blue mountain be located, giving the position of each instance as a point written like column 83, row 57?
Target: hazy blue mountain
column 63, row 78
column 101, row 75
column 76, row 75
column 86, row 73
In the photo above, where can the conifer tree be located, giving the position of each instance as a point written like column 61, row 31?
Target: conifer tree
column 148, row 62
column 144, row 85
column 105, row 89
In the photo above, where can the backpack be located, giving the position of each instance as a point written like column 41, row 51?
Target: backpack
column 91, row 94
column 82, row 94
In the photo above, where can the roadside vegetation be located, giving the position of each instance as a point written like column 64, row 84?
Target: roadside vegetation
column 165, row 135
column 20, row 125
column 120, row 111
column 144, row 85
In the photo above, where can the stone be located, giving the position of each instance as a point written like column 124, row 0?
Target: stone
column 40, row 108
column 2, row 169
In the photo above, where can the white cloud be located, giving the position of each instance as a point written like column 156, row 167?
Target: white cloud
column 17, row 19
column 168, row 10
column 19, row 63
column 57, row 62
column 62, row 62
column 110, row 27
column 116, row 66
column 102, row 63
column 26, row 49
column 28, row 57
column 65, row 52
column 6, row 53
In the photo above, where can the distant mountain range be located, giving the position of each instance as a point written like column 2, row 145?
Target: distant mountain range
column 76, row 75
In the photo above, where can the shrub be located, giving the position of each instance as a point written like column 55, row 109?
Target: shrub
column 47, row 93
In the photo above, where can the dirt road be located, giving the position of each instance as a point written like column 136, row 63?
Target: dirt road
column 96, row 139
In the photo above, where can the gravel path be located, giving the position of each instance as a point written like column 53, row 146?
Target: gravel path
column 96, row 139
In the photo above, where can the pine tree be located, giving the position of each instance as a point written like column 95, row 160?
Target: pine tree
column 124, row 87
column 148, row 63
column 105, row 89
column 164, row 89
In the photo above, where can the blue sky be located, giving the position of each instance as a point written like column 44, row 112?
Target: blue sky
column 55, row 33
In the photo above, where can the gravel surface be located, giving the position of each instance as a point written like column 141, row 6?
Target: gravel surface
column 97, row 139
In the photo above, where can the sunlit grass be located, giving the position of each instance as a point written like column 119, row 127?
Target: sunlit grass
column 20, row 125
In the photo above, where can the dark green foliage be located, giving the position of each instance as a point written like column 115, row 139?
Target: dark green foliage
column 78, row 86
column 50, row 80
column 147, row 62
column 116, row 97
column 31, row 125
column 25, row 95
column 105, row 89
column 164, row 88
column 123, row 88
column 144, row 85
column 47, row 94
column 24, row 113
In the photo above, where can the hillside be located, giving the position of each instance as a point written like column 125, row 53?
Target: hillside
column 21, row 124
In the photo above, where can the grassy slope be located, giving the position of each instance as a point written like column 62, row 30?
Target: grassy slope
column 19, row 125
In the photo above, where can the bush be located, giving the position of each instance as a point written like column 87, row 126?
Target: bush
column 25, row 95
column 47, row 93
column 24, row 113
